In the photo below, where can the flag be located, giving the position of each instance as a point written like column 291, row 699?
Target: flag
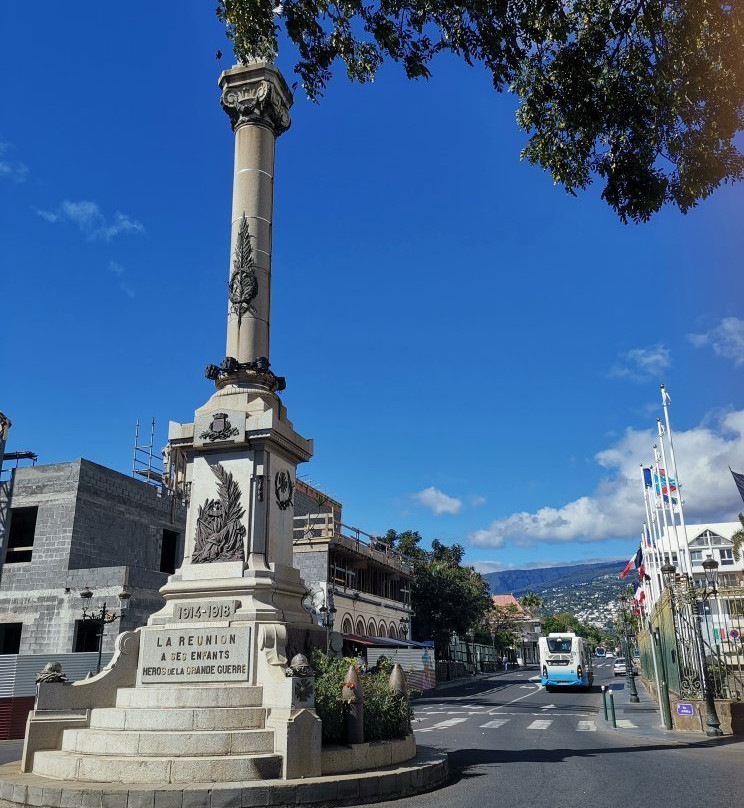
column 647, row 540
column 739, row 480
column 634, row 563
column 647, row 478
column 639, row 594
column 664, row 486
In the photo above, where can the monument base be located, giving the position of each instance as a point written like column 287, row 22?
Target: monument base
column 183, row 703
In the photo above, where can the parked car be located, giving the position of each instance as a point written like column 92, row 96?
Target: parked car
column 619, row 667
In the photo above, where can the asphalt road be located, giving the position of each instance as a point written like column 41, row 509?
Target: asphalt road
column 510, row 743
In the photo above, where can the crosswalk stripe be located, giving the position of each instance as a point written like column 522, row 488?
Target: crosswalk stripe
column 539, row 724
column 586, row 726
column 496, row 723
column 444, row 724
column 625, row 724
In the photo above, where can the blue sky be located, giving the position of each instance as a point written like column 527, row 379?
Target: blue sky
column 475, row 353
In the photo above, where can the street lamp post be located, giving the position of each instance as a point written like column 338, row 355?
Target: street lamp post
column 629, row 677
column 688, row 593
column 328, row 617
column 100, row 617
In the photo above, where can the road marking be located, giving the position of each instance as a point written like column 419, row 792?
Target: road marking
column 444, row 724
column 586, row 726
column 625, row 724
column 499, row 722
column 548, row 707
column 534, row 678
column 539, row 725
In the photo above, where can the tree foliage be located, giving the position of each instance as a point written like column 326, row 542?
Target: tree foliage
column 564, row 621
column 738, row 539
column 501, row 626
column 446, row 597
column 532, row 602
column 646, row 95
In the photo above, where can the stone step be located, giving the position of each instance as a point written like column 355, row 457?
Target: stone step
column 209, row 769
column 190, row 696
column 183, row 720
column 165, row 744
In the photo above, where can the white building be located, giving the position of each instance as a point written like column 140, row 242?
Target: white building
column 688, row 548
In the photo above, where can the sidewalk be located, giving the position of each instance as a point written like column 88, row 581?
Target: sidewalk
column 643, row 718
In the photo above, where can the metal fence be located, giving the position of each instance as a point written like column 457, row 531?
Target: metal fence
column 697, row 634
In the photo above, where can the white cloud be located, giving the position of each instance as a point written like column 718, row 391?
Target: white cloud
column 11, row 169
column 437, row 501
column 726, row 339
column 615, row 508
column 90, row 221
column 476, row 500
column 642, row 364
column 119, row 271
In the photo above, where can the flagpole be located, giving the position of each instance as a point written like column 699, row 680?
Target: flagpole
column 667, row 536
column 665, row 402
column 648, row 585
column 681, row 554
column 647, row 527
column 656, row 534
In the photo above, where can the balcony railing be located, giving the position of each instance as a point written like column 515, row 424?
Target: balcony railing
column 323, row 527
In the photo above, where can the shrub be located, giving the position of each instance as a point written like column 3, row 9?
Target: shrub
column 386, row 714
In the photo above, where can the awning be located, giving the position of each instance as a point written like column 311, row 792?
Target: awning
column 386, row 642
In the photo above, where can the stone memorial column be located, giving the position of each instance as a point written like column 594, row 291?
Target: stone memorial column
column 257, row 100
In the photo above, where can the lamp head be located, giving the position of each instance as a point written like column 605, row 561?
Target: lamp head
column 710, row 565
column 668, row 572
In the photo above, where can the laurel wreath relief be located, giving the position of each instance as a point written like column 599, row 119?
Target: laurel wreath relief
column 243, row 286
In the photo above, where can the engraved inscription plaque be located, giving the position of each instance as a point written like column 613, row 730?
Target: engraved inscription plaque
column 180, row 655
column 203, row 611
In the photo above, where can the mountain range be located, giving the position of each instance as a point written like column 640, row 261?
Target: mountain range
column 519, row 582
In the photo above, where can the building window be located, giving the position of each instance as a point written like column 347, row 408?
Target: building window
column 696, row 557
column 10, row 638
column 86, row 636
column 168, row 551
column 360, row 630
column 727, row 557
column 21, row 534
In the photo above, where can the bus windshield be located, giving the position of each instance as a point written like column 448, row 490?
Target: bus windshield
column 559, row 645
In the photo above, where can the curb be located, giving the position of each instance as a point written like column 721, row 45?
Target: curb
column 427, row 771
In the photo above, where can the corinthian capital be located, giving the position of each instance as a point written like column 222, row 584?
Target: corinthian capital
column 256, row 94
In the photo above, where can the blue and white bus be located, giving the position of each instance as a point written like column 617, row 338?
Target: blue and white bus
column 565, row 661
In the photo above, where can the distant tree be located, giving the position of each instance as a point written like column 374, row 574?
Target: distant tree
column 446, row 596
column 532, row 602
column 645, row 94
column 565, row 622
column 501, row 626
column 738, row 538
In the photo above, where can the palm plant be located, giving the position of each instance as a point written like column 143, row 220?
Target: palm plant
column 738, row 538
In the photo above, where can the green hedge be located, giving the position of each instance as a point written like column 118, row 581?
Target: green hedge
column 386, row 715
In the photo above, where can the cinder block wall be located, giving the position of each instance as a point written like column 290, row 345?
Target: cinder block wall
column 95, row 528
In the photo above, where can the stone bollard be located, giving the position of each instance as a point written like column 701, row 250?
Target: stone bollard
column 351, row 693
column 397, row 682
